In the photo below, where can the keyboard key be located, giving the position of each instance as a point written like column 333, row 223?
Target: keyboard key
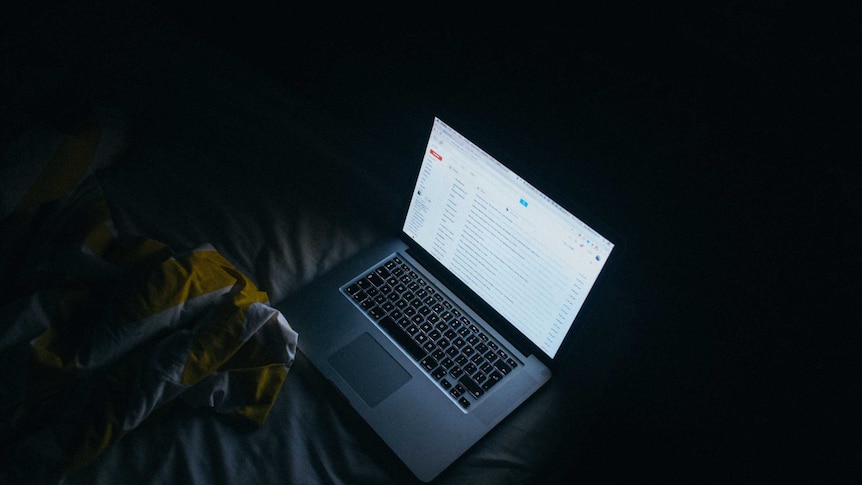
column 502, row 367
column 402, row 338
column 429, row 363
column 471, row 386
column 375, row 279
column 493, row 378
column 457, row 391
column 376, row 312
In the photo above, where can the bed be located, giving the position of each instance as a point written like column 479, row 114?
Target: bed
column 158, row 195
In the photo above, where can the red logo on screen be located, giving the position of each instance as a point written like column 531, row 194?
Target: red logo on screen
column 436, row 155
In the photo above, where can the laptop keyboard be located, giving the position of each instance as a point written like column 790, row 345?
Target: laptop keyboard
column 462, row 358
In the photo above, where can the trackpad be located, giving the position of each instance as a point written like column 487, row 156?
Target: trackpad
column 369, row 369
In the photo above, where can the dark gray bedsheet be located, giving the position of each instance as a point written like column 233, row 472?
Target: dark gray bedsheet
column 219, row 153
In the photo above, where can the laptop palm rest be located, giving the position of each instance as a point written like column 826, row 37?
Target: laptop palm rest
column 378, row 377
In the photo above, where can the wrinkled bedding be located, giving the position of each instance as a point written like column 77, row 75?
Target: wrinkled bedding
column 204, row 168
column 102, row 332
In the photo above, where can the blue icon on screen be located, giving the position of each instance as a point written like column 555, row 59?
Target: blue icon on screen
column 523, row 202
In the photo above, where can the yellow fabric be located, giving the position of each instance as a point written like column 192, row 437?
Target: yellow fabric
column 175, row 282
column 262, row 385
column 137, row 254
column 169, row 327
column 217, row 340
column 216, row 345
column 128, row 329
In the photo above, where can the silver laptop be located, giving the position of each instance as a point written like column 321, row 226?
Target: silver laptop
column 436, row 335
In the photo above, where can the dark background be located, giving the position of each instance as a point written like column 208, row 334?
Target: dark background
column 718, row 140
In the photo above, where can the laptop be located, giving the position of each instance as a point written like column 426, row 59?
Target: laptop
column 436, row 335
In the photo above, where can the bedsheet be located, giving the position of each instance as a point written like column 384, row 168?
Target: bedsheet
column 214, row 152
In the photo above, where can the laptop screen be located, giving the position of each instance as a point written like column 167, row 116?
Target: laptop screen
column 528, row 258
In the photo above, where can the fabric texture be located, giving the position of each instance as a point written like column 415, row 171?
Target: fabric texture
column 101, row 333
